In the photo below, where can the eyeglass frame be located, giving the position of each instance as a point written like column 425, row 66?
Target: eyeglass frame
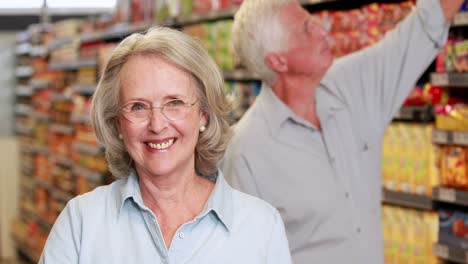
column 161, row 108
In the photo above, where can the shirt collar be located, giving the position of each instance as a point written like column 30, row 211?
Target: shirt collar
column 328, row 101
column 130, row 189
column 276, row 112
column 220, row 200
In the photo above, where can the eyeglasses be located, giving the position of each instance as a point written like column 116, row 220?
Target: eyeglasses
column 139, row 111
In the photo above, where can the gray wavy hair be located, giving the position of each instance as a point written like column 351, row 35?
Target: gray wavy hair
column 184, row 51
column 256, row 31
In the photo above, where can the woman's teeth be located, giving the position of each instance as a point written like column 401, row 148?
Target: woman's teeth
column 163, row 145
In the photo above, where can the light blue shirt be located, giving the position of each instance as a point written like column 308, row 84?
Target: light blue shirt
column 112, row 225
column 327, row 183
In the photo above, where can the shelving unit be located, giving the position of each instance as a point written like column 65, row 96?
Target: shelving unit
column 450, row 137
column 25, row 250
column 450, row 195
column 451, row 141
column 461, row 19
column 407, row 200
column 451, row 253
column 210, row 16
column 415, row 114
column 68, row 66
column 449, row 79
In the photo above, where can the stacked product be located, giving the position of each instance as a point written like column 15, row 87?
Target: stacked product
column 409, row 235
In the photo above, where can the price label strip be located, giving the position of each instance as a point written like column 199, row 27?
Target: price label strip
column 447, row 195
column 441, row 79
column 460, row 138
column 441, row 251
column 461, row 19
column 439, row 136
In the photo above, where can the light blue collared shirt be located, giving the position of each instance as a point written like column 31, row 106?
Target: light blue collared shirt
column 112, row 225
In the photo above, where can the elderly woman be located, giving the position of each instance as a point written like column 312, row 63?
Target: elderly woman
column 160, row 111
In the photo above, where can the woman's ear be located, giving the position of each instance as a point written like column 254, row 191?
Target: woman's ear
column 203, row 119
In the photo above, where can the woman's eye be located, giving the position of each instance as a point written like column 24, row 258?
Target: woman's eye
column 174, row 103
column 137, row 107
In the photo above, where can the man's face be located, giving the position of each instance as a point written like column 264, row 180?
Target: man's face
column 308, row 50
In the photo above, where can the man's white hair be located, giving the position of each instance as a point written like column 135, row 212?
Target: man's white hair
column 257, row 30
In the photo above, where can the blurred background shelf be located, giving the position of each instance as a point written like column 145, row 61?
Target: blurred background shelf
column 451, row 253
column 407, row 200
column 449, row 79
column 446, row 137
column 450, row 195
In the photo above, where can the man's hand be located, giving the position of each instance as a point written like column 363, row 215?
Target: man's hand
column 450, row 8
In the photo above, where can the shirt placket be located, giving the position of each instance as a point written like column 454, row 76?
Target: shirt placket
column 331, row 138
column 156, row 234
column 180, row 244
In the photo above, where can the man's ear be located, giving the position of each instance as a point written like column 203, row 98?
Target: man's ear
column 276, row 62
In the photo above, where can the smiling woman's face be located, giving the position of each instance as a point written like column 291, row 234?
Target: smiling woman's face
column 158, row 146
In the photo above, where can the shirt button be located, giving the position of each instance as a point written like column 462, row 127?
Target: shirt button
column 181, row 235
column 365, row 147
column 347, row 194
column 358, row 230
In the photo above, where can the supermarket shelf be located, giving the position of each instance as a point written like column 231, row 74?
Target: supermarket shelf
column 23, row 90
column 22, row 49
column 28, row 185
column 43, row 183
column 210, row 16
column 23, row 71
column 450, row 137
column 56, row 43
column 84, row 90
column 27, row 170
column 40, row 116
column 80, row 118
column 23, row 109
column 87, row 149
column 62, row 160
column 123, row 30
column 38, row 84
column 38, row 51
column 60, row 97
column 73, row 65
column 415, row 113
column 25, row 149
column 61, row 129
column 32, row 216
column 451, row 253
column 407, row 200
column 240, row 75
column 37, row 149
column 28, row 252
column 449, row 79
column 61, row 195
column 460, row 19
column 115, row 32
column 89, row 174
column 54, row 191
column 23, row 130
column 449, row 195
